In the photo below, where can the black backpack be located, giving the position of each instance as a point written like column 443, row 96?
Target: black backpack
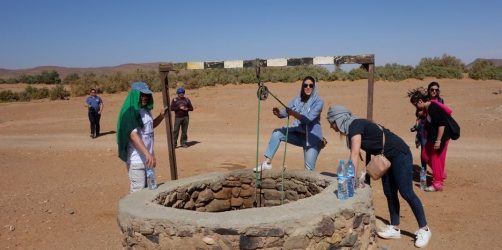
column 454, row 128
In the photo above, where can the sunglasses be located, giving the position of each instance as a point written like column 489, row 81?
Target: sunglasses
column 311, row 85
column 434, row 90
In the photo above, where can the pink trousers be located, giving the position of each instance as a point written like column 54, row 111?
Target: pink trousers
column 437, row 160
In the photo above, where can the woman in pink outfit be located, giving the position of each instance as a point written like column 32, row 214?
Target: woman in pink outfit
column 438, row 136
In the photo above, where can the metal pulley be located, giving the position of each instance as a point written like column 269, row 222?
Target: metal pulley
column 262, row 92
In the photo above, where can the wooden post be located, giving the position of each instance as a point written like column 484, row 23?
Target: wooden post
column 371, row 84
column 369, row 108
column 164, row 82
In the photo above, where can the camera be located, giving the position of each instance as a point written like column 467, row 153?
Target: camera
column 413, row 129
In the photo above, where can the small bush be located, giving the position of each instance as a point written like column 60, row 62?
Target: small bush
column 394, row 72
column 49, row 77
column 357, row 74
column 441, row 67
column 82, row 86
column 338, row 75
column 58, row 92
column 8, row 96
column 31, row 93
column 485, row 70
column 71, row 78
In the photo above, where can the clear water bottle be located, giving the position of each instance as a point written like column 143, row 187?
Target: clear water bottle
column 342, row 181
column 351, row 178
column 150, row 178
column 423, row 177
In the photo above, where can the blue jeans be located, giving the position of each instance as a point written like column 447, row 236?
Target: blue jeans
column 400, row 178
column 310, row 153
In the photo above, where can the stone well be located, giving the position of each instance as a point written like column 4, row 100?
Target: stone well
column 227, row 211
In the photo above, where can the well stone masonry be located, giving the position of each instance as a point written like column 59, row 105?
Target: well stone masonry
column 290, row 210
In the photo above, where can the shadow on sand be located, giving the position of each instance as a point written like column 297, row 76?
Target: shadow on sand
column 111, row 132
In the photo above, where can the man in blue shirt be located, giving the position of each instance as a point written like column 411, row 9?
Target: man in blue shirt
column 95, row 105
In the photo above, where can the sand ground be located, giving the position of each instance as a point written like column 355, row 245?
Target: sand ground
column 59, row 189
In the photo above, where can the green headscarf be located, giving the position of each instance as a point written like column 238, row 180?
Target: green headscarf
column 129, row 119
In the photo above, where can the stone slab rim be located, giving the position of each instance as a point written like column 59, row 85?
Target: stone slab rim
column 311, row 209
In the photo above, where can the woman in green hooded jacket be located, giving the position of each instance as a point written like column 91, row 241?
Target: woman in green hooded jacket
column 135, row 137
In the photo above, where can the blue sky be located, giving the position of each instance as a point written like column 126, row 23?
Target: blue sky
column 94, row 33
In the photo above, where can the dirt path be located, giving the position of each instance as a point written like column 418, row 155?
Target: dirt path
column 60, row 189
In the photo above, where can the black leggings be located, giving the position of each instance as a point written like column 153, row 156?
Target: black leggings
column 94, row 118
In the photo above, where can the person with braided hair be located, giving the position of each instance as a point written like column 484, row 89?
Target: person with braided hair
column 438, row 136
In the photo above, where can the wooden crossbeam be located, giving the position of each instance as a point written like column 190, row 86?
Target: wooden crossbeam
column 278, row 62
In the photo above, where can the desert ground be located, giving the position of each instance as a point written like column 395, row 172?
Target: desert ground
column 60, row 189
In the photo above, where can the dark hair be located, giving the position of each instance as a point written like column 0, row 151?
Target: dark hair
column 92, row 90
column 431, row 85
column 417, row 95
column 437, row 97
column 304, row 97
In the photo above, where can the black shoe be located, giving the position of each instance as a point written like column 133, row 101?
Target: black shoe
column 184, row 145
column 92, row 136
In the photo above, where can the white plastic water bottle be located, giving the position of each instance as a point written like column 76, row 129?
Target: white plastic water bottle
column 342, row 181
column 150, row 178
column 351, row 178
column 423, row 178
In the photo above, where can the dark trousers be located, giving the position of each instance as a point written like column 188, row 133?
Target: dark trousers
column 183, row 123
column 400, row 178
column 94, row 118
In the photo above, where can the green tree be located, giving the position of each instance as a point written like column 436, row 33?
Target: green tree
column 357, row 73
column 485, row 70
column 58, row 92
column 49, row 77
column 441, row 67
column 394, row 72
column 70, row 78
column 24, row 78
column 8, row 96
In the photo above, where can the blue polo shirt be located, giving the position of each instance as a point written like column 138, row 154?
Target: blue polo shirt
column 94, row 102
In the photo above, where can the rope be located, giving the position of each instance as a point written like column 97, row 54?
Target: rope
column 258, row 183
column 262, row 95
column 284, row 162
column 275, row 97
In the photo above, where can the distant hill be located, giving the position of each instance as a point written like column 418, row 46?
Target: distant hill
column 64, row 71
column 496, row 62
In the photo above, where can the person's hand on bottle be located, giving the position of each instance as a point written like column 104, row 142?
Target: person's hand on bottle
column 150, row 160
column 360, row 181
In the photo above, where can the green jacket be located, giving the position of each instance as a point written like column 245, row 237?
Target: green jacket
column 128, row 120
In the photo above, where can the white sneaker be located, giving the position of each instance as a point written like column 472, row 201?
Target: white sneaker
column 423, row 237
column 263, row 166
column 390, row 232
